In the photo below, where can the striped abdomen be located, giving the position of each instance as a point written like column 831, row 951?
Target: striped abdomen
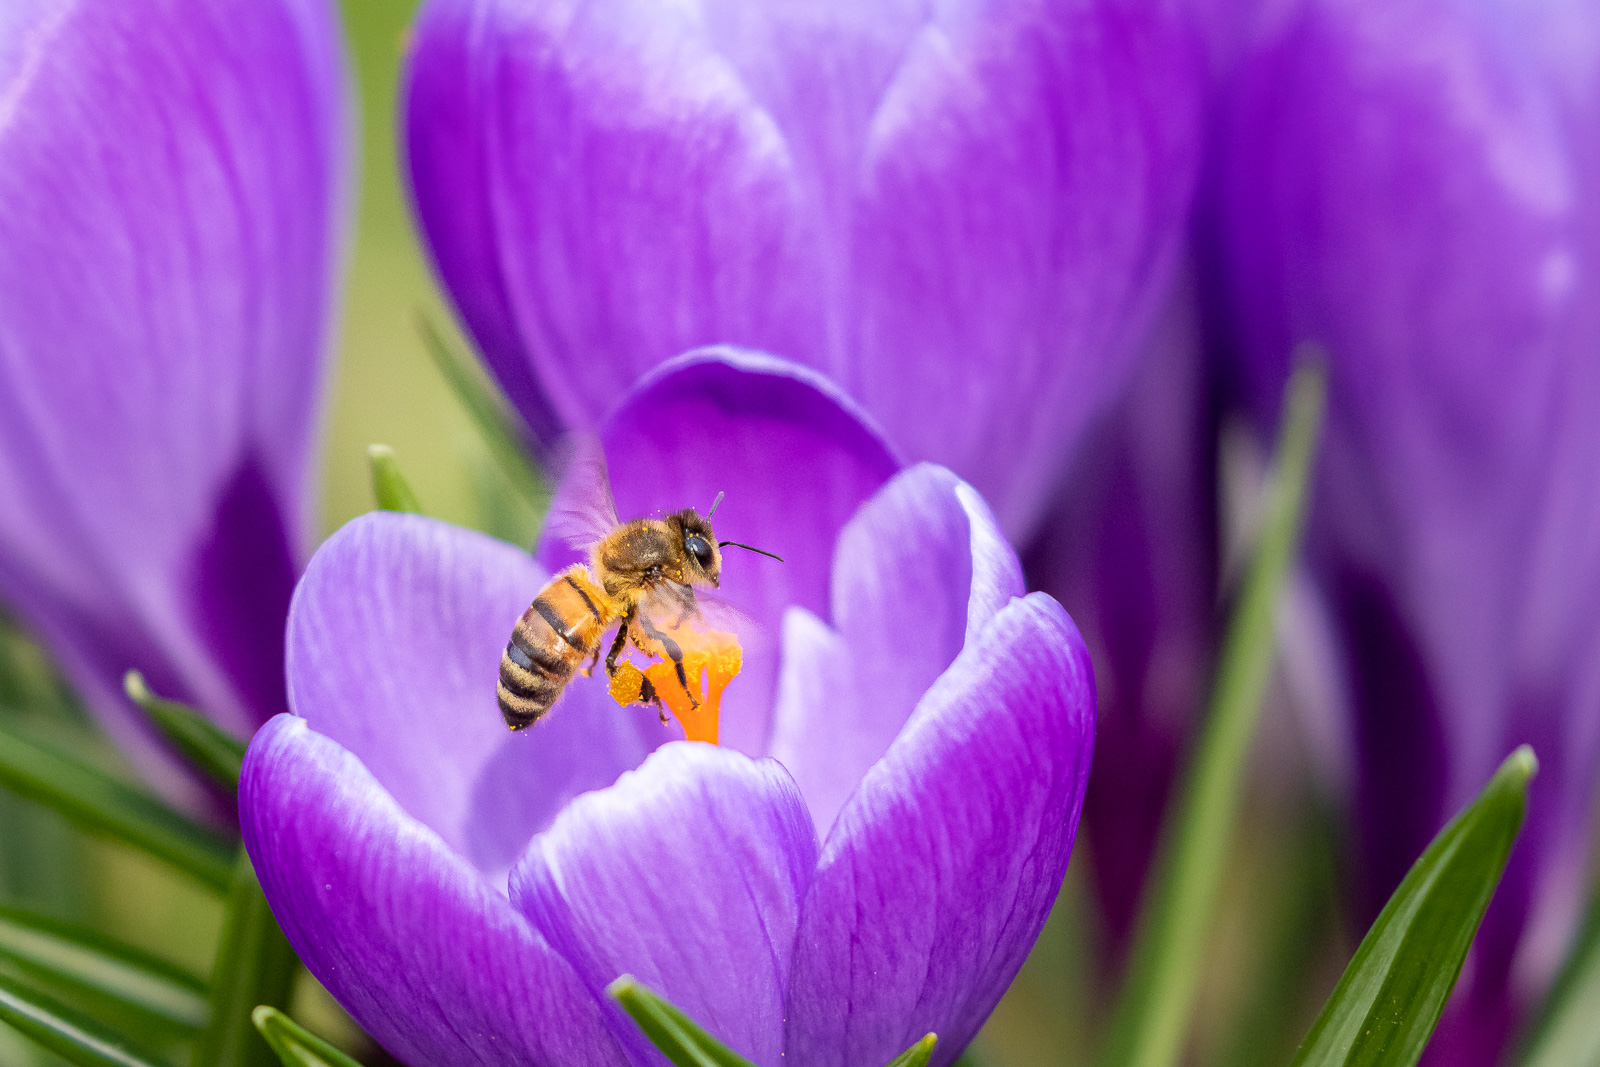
column 561, row 627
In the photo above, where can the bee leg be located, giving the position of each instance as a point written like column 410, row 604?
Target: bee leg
column 683, row 680
column 648, row 695
column 675, row 653
column 588, row 672
column 616, row 649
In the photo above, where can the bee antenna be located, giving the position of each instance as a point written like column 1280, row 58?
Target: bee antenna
column 750, row 548
column 714, row 504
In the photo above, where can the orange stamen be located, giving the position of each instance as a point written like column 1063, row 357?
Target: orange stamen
column 710, row 661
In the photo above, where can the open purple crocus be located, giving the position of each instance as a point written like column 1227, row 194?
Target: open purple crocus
column 170, row 182
column 868, row 857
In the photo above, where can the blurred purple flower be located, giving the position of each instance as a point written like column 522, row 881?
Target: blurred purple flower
column 170, row 185
column 884, row 875
column 1129, row 548
column 1412, row 184
column 964, row 216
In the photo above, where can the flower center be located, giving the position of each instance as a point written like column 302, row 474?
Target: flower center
column 688, row 677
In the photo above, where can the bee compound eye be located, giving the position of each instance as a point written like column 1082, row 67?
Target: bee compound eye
column 700, row 550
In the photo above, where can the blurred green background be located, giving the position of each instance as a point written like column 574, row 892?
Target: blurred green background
column 1277, row 948
column 385, row 386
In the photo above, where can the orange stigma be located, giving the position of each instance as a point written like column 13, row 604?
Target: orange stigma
column 710, row 661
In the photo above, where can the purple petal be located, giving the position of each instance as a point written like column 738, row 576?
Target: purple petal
column 578, row 132
column 687, row 874
column 941, row 869
column 796, row 459
column 170, row 188
column 426, row 956
column 1011, row 251
column 450, row 167
column 394, row 649
column 917, row 574
column 894, row 195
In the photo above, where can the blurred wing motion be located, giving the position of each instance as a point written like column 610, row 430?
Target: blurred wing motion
column 670, row 606
column 582, row 512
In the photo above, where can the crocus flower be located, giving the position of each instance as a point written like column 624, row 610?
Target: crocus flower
column 1411, row 184
column 962, row 214
column 868, row 857
column 1131, row 552
column 170, row 175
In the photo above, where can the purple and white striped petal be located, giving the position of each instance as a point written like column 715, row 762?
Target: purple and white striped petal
column 417, row 946
column 917, row 575
column 395, row 639
column 687, row 874
column 942, row 867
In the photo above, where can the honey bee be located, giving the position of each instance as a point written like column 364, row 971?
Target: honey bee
column 641, row 578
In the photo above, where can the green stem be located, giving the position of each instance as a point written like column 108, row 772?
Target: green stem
column 503, row 431
column 205, row 744
column 1152, row 1017
column 75, row 1037
column 389, row 485
column 95, row 802
column 295, row 1045
column 1566, row 1029
column 255, row 966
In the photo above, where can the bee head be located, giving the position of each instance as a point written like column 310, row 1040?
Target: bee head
column 703, row 559
column 701, row 548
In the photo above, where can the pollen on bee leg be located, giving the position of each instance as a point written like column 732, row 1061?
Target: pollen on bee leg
column 627, row 684
column 710, row 662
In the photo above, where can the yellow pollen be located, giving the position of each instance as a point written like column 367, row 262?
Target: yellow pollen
column 711, row 659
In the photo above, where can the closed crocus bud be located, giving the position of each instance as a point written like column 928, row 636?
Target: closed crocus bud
column 1411, row 184
column 170, row 175
column 963, row 214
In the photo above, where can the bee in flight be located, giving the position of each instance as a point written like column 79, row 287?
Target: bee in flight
column 641, row 578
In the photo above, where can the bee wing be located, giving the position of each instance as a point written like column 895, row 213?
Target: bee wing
column 670, row 606
column 582, row 512
column 723, row 614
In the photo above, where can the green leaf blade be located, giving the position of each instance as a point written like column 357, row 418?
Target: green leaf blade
column 1566, row 1030
column 502, row 430
column 294, row 1045
column 917, row 1055
column 1153, row 1010
column 205, row 744
column 104, row 973
column 87, row 797
column 71, row 1035
column 389, row 486
column 686, row 1044
column 1391, row 995
column 255, row 966
column 678, row 1037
